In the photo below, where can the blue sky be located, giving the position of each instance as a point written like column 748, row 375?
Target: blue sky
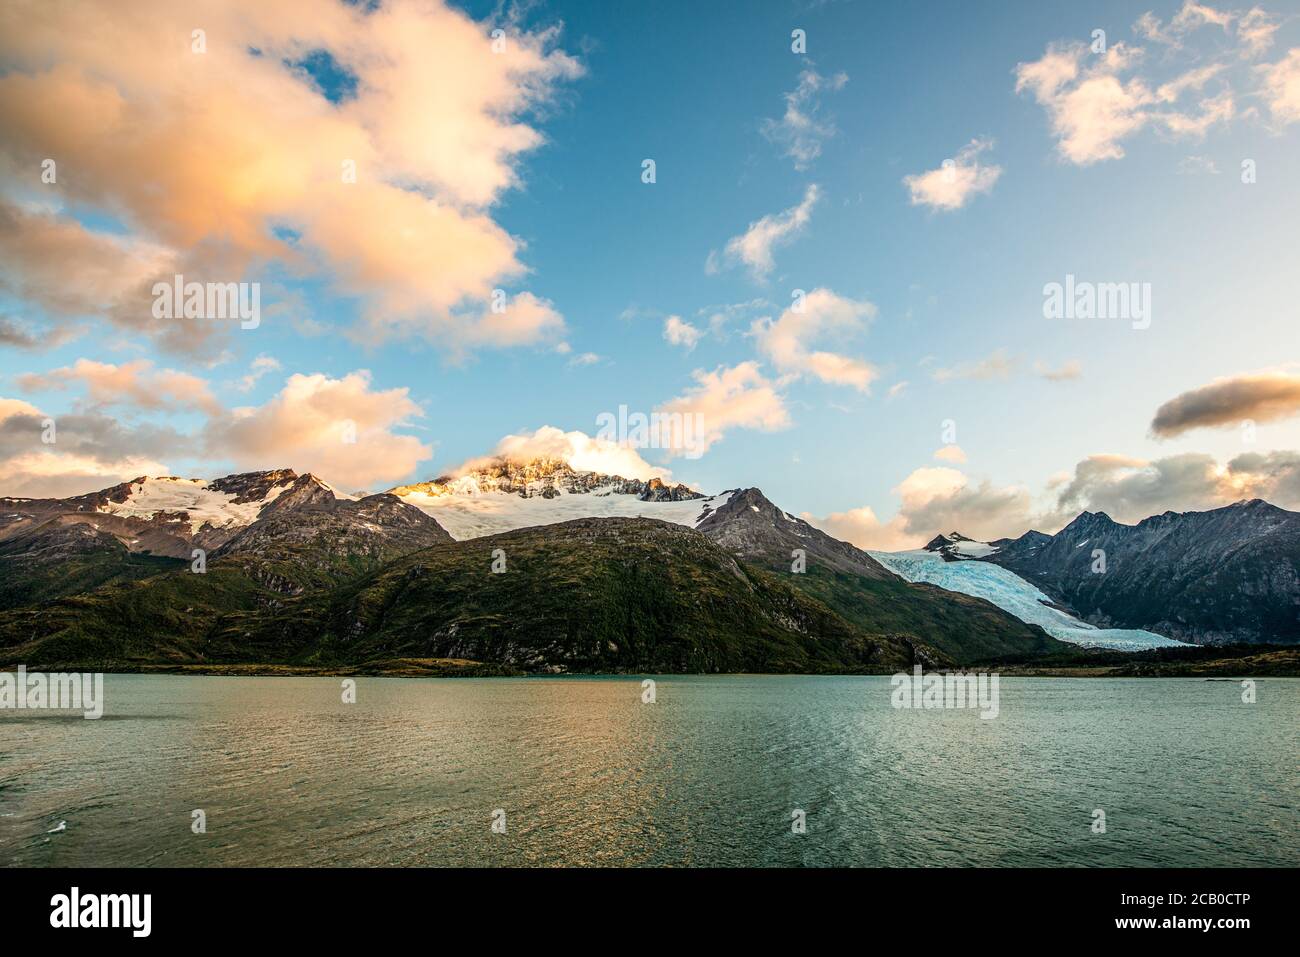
column 701, row 90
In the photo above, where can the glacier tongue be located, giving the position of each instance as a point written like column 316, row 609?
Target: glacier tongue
column 1013, row 594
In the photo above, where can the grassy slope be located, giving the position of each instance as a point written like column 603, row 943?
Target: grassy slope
column 609, row 595
column 615, row 595
column 962, row 627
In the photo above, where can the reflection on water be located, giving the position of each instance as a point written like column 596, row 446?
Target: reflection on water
column 709, row 774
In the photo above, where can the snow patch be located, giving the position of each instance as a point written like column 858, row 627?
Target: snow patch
column 201, row 504
column 473, row 513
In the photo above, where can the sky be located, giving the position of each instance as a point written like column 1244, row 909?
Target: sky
column 829, row 232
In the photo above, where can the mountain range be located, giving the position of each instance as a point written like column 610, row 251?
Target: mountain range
column 539, row 567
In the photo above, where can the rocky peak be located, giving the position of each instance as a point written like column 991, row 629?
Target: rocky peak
column 545, row 477
column 751, row 526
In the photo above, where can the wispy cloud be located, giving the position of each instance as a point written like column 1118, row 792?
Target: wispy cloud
column 753, row 248
column 997, row 365
column 801, row 130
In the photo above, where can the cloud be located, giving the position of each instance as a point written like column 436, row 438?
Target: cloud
column 90, row 451
column 863, row 528
column 1191, row 16
column 580, row 450
column 736, row 397
column 584, row 359
column 21, row 335
column 1261, row 397
column 997, row 365
column 956, row 181
column 1274, row 476
column 339, row 429
column 754, row 246
column 524, row 320
column 1192, row 165
column 136, row 384
column 951, row 453
column 1255, row 31
column 680, row 333
column 800, row 132
column 1067, row 372
column 933, row 500
column 1282, row 87
column 786, row 342
column 897, row 389
column 1130, row 489
column 66, row 274
column 435, row 129
column 1093, row 109
column 260, row 366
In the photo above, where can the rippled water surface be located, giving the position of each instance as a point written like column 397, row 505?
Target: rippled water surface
column 707, row 775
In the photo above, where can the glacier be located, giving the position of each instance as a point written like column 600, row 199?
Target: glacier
column 1015, row 595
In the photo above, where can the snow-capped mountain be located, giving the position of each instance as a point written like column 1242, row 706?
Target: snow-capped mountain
column 164, row 515
column 503, row 495
column 1224, row 575
column 957, row 547
column 953, row 563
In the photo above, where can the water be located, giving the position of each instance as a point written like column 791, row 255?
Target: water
column 707, row 775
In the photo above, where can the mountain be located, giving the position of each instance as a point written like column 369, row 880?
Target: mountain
column 53, row 548
column 61, row 557
column 955, row 547
column 107, row 577
column 947, row 561
column 1230, row 574
column 609, row 595
column 159, row 516
column 500, row 495
column 862, row 590
column 504, row 494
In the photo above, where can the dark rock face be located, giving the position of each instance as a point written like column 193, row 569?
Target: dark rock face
column 313, row 530
column 751, row 526
column 1227, row 575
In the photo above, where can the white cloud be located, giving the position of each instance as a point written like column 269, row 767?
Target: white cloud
column 1066, row 372
column 956, row 181
column 584, row 359
column 951, row 453
column 801, row 131
column 580, row 450
column 1093, row 109
column 1255, row 31
column 787, row 341
column 340, row 429
column 136, row 384
column 754, row 246
column 736, row 397
column 260, row 366
column 435, row 131
column 997, row 365
column 680, row 333
column 1282, row 87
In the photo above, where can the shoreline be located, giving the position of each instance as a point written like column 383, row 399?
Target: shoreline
column 1268, row 664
